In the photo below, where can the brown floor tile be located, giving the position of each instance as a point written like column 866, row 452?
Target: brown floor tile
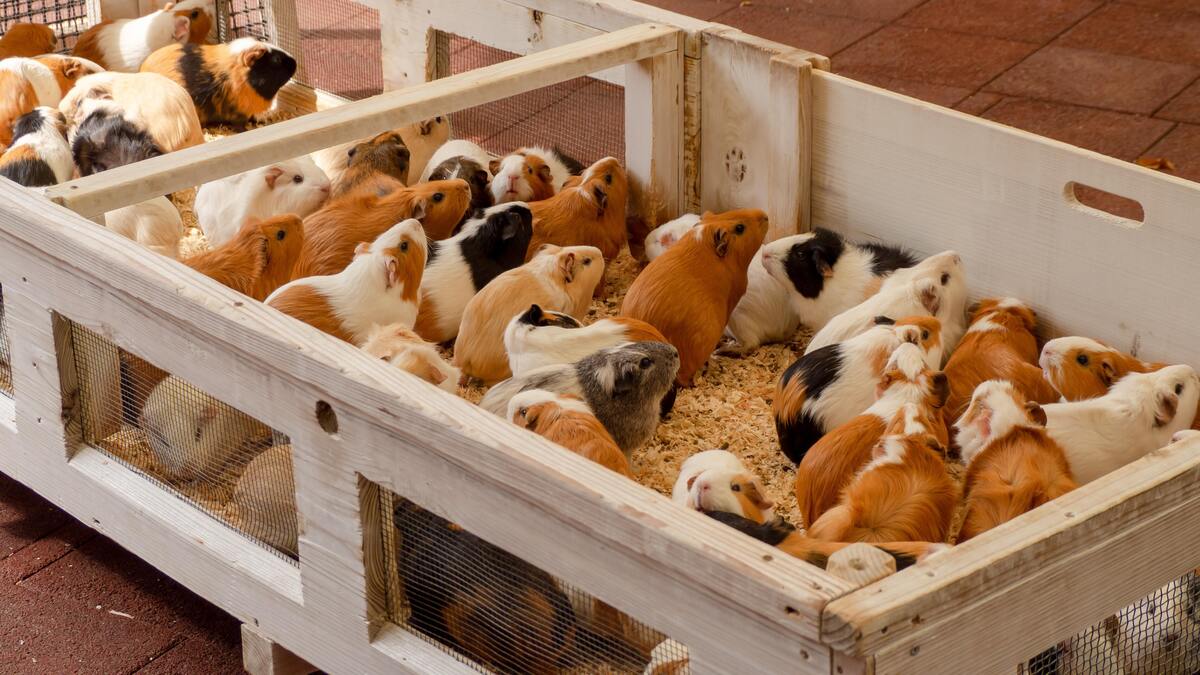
column 200, row 656
column 871, row 10
column 1189, row 5
column 1024, row 20
column 704, row 10
column 818, row 33
column 44, row 551
column 978, row 103
column 1111, row 133
column 937, row 57
column 1181, row 146
column 933, row 93
column 1185, row 107
column 1161, row 35
column 1091, row 78
column 24, row 517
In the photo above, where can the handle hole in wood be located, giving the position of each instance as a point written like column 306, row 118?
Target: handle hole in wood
column 1120, row 210
column 327, row 418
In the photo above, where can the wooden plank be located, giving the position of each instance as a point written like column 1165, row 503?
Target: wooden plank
column 613, row 15
column 403, row 27
column 691, row 134
column 790, row 159
column 437, row 55
column 654, row 135
column 263, row 656
column 192, row 166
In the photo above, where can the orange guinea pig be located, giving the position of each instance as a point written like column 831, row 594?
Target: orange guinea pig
column 591, row 213
column 27, row 39
column 382, row 155
column 689, row 291
column 256, row 261
column 999, row 345
column 568, row 421
column 1080, row 368
column 333, row 232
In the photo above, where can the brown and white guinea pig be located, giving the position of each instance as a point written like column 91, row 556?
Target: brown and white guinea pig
column 122, row 45
column 460, row 266
column 716, row 480
column 39, row 155
column 1013, row 465
column 264, row 500
column 531, row 174
column 1139, row 414
column 380, row 286
column 149, row 101
column 401, row 347
column 26, row 83
column 825, row 389
column 229, row 83
column 333, row 232
column 27, row 39
column 200, row 15
column 193, row 435
column 902, row 494
column 689, row 292
column 537, row 338
column 558, row 279
column 295, row 186
column 831, row 463
column 463, row 159
column 256, row 261
column 568, row 421
column 591, row 213
column 105, row 139
column 1001, row 344
column 381, row 155
column 1080, row 368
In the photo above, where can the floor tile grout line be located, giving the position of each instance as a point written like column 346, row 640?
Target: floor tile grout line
column 69, row 548
column 1177, row 95
column 891, row 22
column 1158, row 140
column 180, row 639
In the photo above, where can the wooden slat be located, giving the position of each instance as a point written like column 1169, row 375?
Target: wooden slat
column 790, row 161
column 654, row 135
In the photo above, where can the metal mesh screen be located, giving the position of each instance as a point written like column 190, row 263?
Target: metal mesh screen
column 1158, row 635
column 5, row 353
column 68, row 18
column 498, row 613
column 220, row 460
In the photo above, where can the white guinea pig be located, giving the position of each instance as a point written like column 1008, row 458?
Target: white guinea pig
column 154, row 223
column 401, row 347
column 294, row 186
column 716, row 480
column 664, row 236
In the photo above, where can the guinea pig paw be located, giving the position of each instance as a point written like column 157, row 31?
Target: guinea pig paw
column 728, row 346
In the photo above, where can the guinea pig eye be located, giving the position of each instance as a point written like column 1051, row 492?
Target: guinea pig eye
column 587, row 261
column 350, row 152
column 438, row 197
column 735, row 487
column 945, row 278
column 925, row 334
column 279, row 236
column 523, row 412
column 608, row 178
column 404, row 247
column 297, row 179
column 1082, row 359
column 739, row 228
column 646, row 362
column 195, row 14
column 1179, row 389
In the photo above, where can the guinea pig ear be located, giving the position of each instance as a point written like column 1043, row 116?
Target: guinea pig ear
column 363, row 248
column 822, row 265
column 391, row 270
column 1108, row 372
column 756, row 494
column 721, row 241
column 420, row 208
column 426, row 126
column 1036, row 413
column 183, row 27
column 1165, row 406
column 939, row 389
column 494, row 166
column 272, row 174
column 545, row 173
column 601, row 198
column 251, row 56
column 931, row 298
column 72, row 69
column 479, row 177
column 566, row 265
column 430, row 373
column 691, row 480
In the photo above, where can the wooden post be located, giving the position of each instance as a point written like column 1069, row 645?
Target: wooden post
column 437, row 55
column 861, row 564
column 654, row 135
column 262, row 656
column 404, row 27
column 789, row 166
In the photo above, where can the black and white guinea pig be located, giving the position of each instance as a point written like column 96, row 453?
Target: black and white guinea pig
column 106, row 139
column 39, row 155
column 463, row 159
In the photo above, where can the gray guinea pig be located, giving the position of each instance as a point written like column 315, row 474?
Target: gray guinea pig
column 624, row 386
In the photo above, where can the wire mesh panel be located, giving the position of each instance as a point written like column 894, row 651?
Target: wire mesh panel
column 222, row 461
column 68, row 18
column 5, row 352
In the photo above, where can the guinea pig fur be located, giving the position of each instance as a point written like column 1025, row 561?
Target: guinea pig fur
column 832, row 462
column 1139, row 414
column 199, row 14
column 380, row 286
column 1013, row 466
column 538, row 338
column 27, row 39
column 229, row 83
column 902, row 494
column 401, row 347
column 382, row 155
column 570, row 423
column 1080, row 368
column 150, row 102
column 591, row 213
column 716, row 480
column 458, row 267
column 295, row 186
column 689, row 291
column 530, row 174
column 122, row 45
column 558, row 279
column 669, row 658
column 258, row 260
column 195, row 436
column 154, row 223
column 39, row 155
column 105, row 139
column 466, row 160
column 264, row 500
column 26, row 83
column 422, row 140
column 333, row 232
column 934, row 287
column 1000, row 345
column 825, row 389
column 624, row 386
column 664, row 236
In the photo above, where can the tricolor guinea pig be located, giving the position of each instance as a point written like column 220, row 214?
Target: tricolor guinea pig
column 151, row 102
column 537, row 337
column 380, row 286
column 825, row 389
column 591, row 213
column 569, row 422
column 716, row 480
column 460, row 266
column 154, row 223
column 381, row 155
column 531, row 174
column 264, row 500
column 463, row 159
column 27, row 39
column 122, row 45
column 559, row 279
column 229, row 83
column 689, row 292
column 258, row 260
column 106, row 139
column 39, row 155
column 666, row 235
column 400, row 346
column 295, row 186
column 1080, row 368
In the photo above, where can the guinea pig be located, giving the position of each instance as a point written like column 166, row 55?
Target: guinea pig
column 154, row 223
column 256, row 261
column 229, row 83
column 124, row 44
column 934, row 287
column 422, row 140
column 460, row 266
column 463, row 159
column 105, row 139
column 1139, row 414
column 902, row 494
column 569, row 422
column 264, row 500
column 538, row 338
column 559, row 279
column 403, row 348
column 200, row 15
column 716, row 480
column 380, row 286
column 1080, row 368
column 832, row 462
column 825, row 389
column 624, row 386
column 1013, row 466
column 150, row 102
column 1000, row 345
column 39, row 155
column 295, row 186
column 689, row 292
column 333, row 232
column 27, row 39
column 531, row 174
column 382, row 155
column 25, row 84
column 591, row 213
column 193, row 435
column 669, row 658
column 666, row 235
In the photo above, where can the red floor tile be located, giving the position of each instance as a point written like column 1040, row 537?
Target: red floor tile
column 24, row 517
column 1024, row 20
column 1162, row 35
column 937, row 57
column 818, row 33
column 933, row 93
column 43, row 552
column 1166, row 4
column 872, row 10
column 1112, row 133
column 1185, row 107
column 1181, row 146
column 200, row 656
column 704, row 10
column 1091, row 78
column 978, row 103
